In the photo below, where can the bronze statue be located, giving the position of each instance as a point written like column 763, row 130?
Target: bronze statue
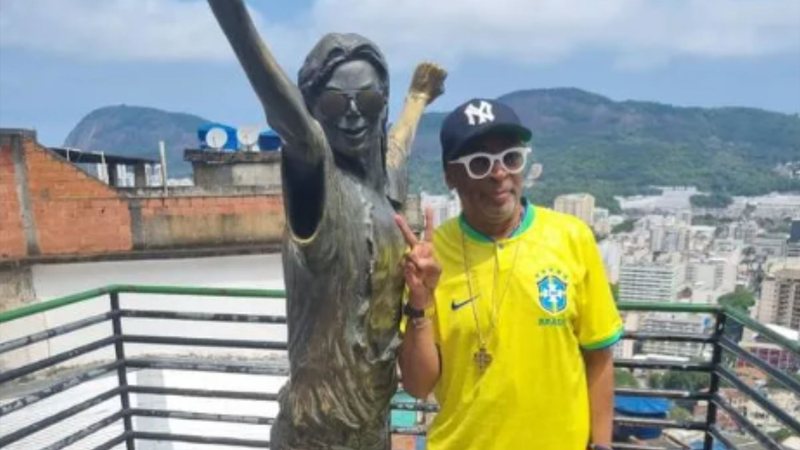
column 342, row 249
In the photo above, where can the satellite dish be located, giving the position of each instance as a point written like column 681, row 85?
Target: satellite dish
column 216, row 138
column 248, row 137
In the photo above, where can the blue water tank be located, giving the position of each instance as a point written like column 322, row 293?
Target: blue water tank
column 269, row 141
column 232, row 143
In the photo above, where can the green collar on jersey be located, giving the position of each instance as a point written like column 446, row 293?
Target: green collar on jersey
column 528, row 215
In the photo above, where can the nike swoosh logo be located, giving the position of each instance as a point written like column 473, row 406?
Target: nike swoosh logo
column 456, row 305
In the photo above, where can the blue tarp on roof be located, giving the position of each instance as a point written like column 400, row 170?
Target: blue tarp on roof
column 642, row 406
column 699, row 445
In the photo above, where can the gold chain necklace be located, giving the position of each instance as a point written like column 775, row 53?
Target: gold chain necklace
column 482, row 357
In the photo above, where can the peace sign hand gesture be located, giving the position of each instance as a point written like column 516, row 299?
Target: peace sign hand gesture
column 420, row 267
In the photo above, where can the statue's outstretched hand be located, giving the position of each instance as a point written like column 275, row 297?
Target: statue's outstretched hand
column 428, row 81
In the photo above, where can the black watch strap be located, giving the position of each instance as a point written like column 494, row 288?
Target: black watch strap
column 413, row 313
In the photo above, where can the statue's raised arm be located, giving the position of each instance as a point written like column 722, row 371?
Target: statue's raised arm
column 426, row 85
column 281, row 99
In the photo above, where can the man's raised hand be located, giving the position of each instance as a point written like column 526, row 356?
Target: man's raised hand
column 420, row 267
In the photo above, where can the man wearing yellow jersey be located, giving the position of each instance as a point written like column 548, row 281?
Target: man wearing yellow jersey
column 510, row 315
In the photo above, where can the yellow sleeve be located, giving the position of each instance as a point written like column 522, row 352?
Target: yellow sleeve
column 598, row 324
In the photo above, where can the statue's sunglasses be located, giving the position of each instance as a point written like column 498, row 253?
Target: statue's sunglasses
column 335, row 103
column 479, row 164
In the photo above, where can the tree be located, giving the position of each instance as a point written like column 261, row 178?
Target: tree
column 680, row 414
column 624, row 378
column 741, row 299
column 690, row 381
column 624, row 227
column 715, row 200
column 683, row 381
column 781, row 435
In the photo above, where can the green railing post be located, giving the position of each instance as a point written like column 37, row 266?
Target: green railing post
column 713, row 388
column 122, row 370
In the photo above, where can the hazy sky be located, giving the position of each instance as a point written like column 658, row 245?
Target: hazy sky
column 60, row 59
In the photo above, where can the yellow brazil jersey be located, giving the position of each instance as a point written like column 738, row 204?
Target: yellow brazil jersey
column 539, row 296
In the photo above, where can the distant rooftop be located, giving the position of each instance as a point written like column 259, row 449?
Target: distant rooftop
column 79, row 156
column 788, row 333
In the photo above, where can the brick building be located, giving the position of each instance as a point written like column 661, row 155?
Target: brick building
column 53, row 210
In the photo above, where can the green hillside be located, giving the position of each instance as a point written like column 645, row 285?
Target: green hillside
column 135, row 131
column 586, row 142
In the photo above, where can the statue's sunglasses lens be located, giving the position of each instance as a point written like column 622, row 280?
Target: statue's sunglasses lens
column 335, row 104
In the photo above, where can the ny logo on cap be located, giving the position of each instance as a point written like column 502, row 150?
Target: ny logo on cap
column 477, row 115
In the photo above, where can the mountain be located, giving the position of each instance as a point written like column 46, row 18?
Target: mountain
column 135, row 131
column 586, row 143
column 589, row 143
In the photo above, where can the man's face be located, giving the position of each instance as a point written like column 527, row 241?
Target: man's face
column 493, row 199
column 351, row 109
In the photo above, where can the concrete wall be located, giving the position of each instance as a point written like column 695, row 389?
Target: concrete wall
column 50, row 207
column 205, row 221
column 16, row 287
column 238, row 175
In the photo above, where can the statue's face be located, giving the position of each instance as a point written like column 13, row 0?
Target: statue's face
column 351, row 109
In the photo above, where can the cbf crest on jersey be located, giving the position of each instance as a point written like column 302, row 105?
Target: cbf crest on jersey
column 552, row 286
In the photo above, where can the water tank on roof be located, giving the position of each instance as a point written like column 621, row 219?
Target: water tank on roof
column 269, row 141
column 231, row 144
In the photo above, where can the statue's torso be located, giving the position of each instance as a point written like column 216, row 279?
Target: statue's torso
column 344, row 286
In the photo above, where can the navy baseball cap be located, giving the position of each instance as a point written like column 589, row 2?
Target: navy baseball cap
column 475, row 118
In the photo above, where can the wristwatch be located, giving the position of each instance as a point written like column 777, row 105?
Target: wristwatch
column 413, row 313
column 599, row 447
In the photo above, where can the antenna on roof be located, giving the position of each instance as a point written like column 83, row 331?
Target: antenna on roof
column 216, row 138
column 248, row 138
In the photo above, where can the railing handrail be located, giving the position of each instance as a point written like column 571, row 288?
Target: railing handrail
column 90, row 294
column 36, row 308
column 58, row 302
column 644, row 306
column 729, row 311
column 717, row 371
column 762, row 329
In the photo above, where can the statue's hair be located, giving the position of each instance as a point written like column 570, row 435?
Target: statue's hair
column 333, row 50
column 330, row 52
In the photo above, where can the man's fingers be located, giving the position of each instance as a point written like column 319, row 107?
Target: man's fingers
column 421, row 252
column 428, row 236
column 408, row 235
column 423, row 266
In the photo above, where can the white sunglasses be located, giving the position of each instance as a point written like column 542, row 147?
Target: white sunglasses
column 479, row 164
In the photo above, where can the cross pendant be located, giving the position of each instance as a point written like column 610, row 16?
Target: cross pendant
column 482, row 358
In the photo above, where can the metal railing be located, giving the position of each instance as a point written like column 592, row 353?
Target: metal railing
column 28, row 384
